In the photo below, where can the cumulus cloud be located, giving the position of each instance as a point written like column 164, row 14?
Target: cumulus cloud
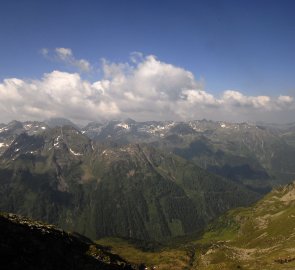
column 66, row 56
column 56, row 94
column 285, row 99
column 144, row 88
column 236, row 98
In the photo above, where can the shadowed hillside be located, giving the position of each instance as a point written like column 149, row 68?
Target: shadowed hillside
column 27, row 244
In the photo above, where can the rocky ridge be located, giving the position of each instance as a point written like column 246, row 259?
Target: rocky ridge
column 28, row 244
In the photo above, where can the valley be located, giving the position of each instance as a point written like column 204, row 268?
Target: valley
column 176, row 195
column 258, row 237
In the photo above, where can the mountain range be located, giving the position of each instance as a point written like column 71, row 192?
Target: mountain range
column 144, row 180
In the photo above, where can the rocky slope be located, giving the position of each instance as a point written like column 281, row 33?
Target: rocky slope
column 27, row 244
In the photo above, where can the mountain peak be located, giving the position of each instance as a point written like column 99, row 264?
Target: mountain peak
column 59, row 122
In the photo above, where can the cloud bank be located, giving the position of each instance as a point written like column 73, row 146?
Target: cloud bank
column 144, row 89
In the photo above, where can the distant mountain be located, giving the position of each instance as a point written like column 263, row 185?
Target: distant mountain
column 258, row 156
column 59, row 122
column 9, row 132
column 28, row 244
column 128, row 131
column 288, row 134
column 62, row 177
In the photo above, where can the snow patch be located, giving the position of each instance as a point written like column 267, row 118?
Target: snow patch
column 123, row 125
column 4, row 145
column 3, row 129
column 75, row 154
column 56, row 143
column 28, row 126
column 157, row 129
column 31, row 152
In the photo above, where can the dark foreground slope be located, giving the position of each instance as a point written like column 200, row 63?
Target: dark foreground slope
column 27, row 244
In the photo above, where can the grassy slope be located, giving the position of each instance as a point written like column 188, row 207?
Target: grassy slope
column 257, row 237
column 163, row 259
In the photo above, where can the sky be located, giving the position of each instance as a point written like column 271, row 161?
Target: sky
column 229, row 60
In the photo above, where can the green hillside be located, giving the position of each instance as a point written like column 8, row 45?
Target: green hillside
column 258, row 237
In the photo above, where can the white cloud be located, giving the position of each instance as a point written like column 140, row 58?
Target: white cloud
column 236, row 98
column 285, row 99
column 136, row 57
column 200, row 97
column 44, row 52
column 66, row 56
column 56, row 94
column 144, row 89
column 64, row 53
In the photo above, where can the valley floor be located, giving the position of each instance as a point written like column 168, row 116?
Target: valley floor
column 220, row 255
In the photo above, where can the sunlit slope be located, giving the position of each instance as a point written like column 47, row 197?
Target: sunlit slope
column 258, row 237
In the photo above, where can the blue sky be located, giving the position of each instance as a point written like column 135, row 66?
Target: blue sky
column 247, row 46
